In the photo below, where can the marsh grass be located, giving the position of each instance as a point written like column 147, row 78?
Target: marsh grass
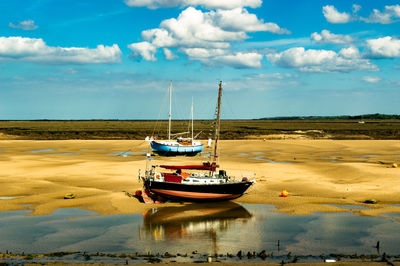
column 230, row 129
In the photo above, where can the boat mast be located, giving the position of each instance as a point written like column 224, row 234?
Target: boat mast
column 191, row 109
column 217, row 122
column 169, row 115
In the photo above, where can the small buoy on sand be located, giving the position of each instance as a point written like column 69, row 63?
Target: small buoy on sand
column 284, row 193
column 394, row 165
column 69, row 196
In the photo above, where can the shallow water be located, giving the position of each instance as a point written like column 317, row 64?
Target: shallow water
column 10, row 198
column 262, row 158
column 64, row 153
column 126, row 153
column 392, row 215
column 43, row 150
column 219, row 228
column 367, row 156
column 350, row 207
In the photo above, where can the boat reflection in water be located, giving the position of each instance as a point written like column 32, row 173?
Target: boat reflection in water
column 200, row 221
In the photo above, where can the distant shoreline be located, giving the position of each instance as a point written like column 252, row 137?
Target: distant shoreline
column 292, row 128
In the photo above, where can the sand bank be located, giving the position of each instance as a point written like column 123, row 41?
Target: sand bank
column 318, row 174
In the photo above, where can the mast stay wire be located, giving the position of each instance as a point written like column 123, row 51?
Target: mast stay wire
column 157, row 124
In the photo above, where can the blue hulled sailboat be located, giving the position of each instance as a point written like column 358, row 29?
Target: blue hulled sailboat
column 180, row 146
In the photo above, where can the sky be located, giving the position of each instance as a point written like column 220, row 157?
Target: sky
column 114, row 59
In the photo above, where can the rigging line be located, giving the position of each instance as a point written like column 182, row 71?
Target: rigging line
column 227, row 102
column 157, row 124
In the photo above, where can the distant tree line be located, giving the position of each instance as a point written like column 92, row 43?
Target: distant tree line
column 376, row 116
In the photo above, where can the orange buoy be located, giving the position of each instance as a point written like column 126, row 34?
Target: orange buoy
column 284, row 193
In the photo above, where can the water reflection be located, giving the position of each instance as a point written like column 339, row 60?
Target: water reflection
column 222, row 228
column 195, row 219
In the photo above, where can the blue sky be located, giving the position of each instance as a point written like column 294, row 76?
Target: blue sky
column 114, row 59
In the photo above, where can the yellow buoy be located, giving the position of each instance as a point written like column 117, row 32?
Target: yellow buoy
column 284, row 193
column 394, row 165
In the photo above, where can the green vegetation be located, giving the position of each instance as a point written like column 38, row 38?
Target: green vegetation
column 230, row 129
column 340, row 117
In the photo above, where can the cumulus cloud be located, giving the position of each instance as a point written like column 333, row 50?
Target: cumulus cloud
column 36, row 50
column 390, row 14
column 327, row 37
column 356, row 8
column 332, row 15
column 24, row 25
column 221, row 57
column 371, row 79
column 350, row 53
column 169, row 55
column 209, row 4
column 312, row 60
column 143, row 49
column 387, row 16
column 202, row 35
column 239, row 19
column 386, row 47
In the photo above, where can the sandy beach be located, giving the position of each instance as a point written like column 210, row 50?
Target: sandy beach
column 317, row 174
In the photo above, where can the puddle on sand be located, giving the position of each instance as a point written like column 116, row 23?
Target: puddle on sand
column 225, row 227
column 43, row 150
column 332, row 159
column 367, row 156
column 64, row 153
column 350, row 207
column 126, row 153
column 248, row 153
column 391, row 215
column 10, row 198
column 261, row 158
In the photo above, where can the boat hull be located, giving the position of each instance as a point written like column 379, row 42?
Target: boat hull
column 197, row 192
column 172, row 150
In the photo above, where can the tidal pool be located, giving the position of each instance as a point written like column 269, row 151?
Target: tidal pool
column 43, row 150
column 126, row 153
column 199, row 229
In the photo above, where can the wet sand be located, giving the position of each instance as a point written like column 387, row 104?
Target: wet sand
column 317, row 174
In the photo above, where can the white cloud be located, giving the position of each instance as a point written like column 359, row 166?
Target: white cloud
column 201, row 35
column 240, row 19
column 24, row 25
column 36, row 50
column 356, row 8
column 143, row 49
column 239, row 60
column 272, row 76
column 209, row 4
column 221, row 57
column 371, row 79
column 327, row 37
column 169, row 55
column 350, row 52
column 390, row 14
column 387, row 16
column 192, row 28
column 333, row 16
column 386, row 47
column 322, row 60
